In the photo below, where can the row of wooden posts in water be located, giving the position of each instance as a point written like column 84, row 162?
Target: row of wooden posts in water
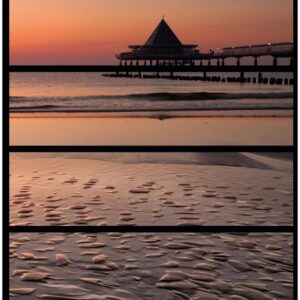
column 260, row 79
column 218, row 60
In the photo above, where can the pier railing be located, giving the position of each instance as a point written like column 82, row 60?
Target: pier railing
column 276, row 49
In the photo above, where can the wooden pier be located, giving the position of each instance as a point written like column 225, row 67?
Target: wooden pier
column 277, row 51
column 163, row 48
column 164, row 56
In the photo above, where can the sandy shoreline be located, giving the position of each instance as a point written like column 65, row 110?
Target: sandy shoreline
column 138, row 266
column 149, row 131
column 151, row 189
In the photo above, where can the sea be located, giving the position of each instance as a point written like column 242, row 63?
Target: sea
column 92, row 92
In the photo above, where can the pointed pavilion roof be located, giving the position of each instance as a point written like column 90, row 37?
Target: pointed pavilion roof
column 163, row 35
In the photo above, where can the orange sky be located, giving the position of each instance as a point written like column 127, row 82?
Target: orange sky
column 92, row 31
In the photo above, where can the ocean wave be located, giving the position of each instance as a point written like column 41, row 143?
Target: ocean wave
column 196, row 96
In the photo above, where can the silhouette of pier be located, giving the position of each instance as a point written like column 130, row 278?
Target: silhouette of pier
column 276, row 51
column 164, row 56
column 164, row 52
column 163, row 48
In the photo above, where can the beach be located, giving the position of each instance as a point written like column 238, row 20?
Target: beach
column 134, row 266
column 88, row 109
column 151, row 189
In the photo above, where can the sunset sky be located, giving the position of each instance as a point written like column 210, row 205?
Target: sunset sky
column 93, row 31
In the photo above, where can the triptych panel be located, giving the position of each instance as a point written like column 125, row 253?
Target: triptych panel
column 150, row 149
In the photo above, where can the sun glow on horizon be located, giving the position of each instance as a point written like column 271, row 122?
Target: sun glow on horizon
column 93, row 31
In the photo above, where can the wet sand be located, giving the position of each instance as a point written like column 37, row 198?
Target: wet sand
column 91, row 130
column 151, row 189
column 169, row 266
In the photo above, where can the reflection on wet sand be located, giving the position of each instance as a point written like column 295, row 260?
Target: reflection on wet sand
column 148, row 131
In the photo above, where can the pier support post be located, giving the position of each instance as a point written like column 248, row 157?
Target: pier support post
column 292, row 61
column 209, row 63
column 242, row 77
column 201, row 63
column 275, row 61
column 131, row 63
column 223, row 61
column 218, row 62
column 125, row 62
column 255, row 61
column 238, row 62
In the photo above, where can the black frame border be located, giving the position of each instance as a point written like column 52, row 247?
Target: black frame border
column 7, row 149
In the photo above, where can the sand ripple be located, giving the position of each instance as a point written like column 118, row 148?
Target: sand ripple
column 154, row 266
column 115, row 193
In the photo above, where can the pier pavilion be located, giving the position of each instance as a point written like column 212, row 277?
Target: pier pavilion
column 162, row 48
